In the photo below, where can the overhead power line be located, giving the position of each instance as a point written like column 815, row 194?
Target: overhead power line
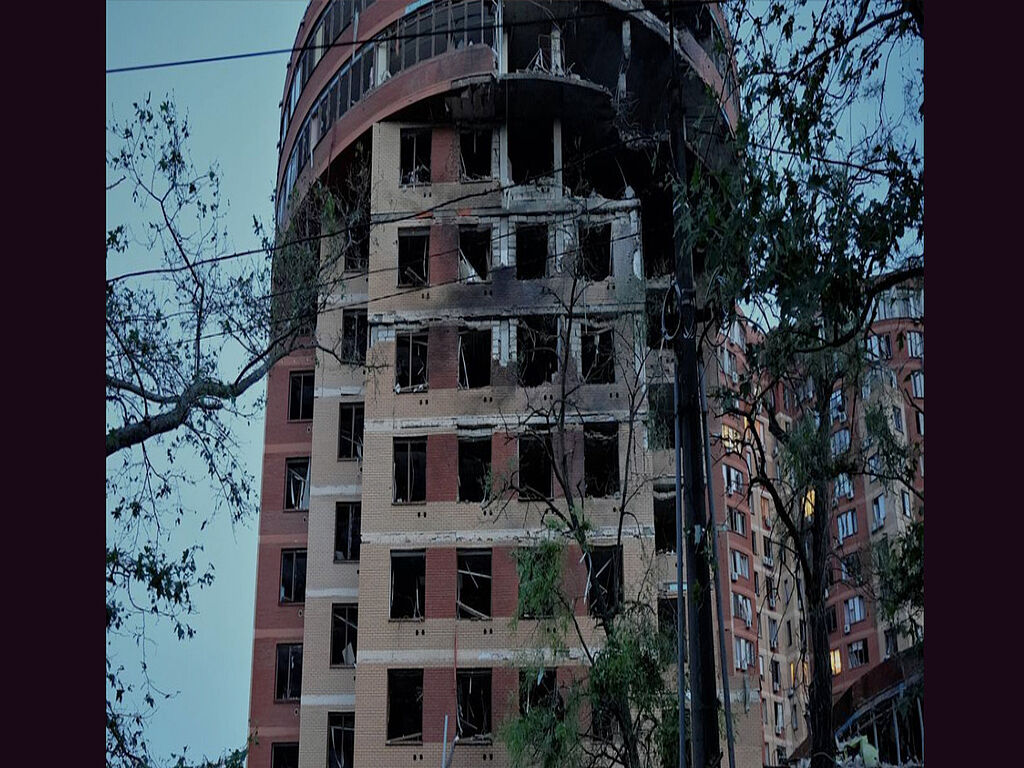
column 382, row 38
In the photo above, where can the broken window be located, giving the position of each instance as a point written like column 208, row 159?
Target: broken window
column 408, row 584
column 293, row 575
column 531, row 251
column 347, row 530
column 350, row 431
column 415, row 155
column 296, row 485
column 474, row 358
column 405, row 706
column 601, row 459
column 353, row 336
column 474, row 253
column 535, row 467
column 537, row 340
column 474, row 468
column 475, row 153
column 410, row 470
column 411, row 361
column 474, row 703
column 598, row 354
column 344, row 634
column 538, row 690
column 284, row 756
column 664, row 518
column 473, row 584
column 668, row 619
column 602, row 720
column 654, row 301
column 413, row 259
column 289, row 672
column 531, row 150
column 300, row 396
column 661, row 428
column 857, row 653
column 605, row 587
column 341, row 734
column 595, row 247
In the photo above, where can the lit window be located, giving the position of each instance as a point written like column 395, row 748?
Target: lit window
column 835, row 659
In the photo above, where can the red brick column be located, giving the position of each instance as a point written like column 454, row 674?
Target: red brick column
column 444, row 253
column 442, row 467
column 444, row 155
column 438, row 701
column 504, row 693
column 504, row 583
column 440, row 588
column 575, row 579
column 443, row 356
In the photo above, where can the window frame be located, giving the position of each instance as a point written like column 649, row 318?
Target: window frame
column 353, row 534
column 349, row 624
column 301, row 376
column 408, row 444
column 294, row 553
column 356, row 424
column 290, row 650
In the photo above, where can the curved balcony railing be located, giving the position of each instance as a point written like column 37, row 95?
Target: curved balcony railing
column 431, row 31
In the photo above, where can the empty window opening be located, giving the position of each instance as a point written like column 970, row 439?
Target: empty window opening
column 293, row 575
column 661, row 428
column 411, row 362
column 537, row 340
column 289, row 672
column 656, row 229
column 474, row 703
column 538, row 690
column 531, row 251
column 344, row 634
column 405, row 706
column 408, row 584
column 474, row 253
column 654, row 301
column 415, row 155
column 300, row 396
column 668, row 618
column 410, row 470
column 350, row 431
column 296, row 485
column 473, row 584
column 602, row 720
column 341, row 736
column 531, row 150
column 474, row 358
column 347, row 531
column 475, row 153
column 664, row 519
column 284, row 756
column 601, row 459
column 598, row 354
column 413, row 260
column 596, row 251
column 605, row 586
column 474, row 468
column 353, row 336
column 535, row 467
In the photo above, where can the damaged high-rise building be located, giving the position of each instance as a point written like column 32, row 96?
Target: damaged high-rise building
column 511, row 265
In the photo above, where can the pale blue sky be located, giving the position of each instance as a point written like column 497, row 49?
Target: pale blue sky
column 232, row 107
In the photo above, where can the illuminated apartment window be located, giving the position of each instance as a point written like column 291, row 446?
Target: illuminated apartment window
column 835, row 659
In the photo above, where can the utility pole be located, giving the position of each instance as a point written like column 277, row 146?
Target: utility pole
column 693, row 525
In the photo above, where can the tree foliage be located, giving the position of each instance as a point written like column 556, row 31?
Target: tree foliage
column 191, row 328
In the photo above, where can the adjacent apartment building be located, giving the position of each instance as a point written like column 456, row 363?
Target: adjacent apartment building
column 519, row 238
